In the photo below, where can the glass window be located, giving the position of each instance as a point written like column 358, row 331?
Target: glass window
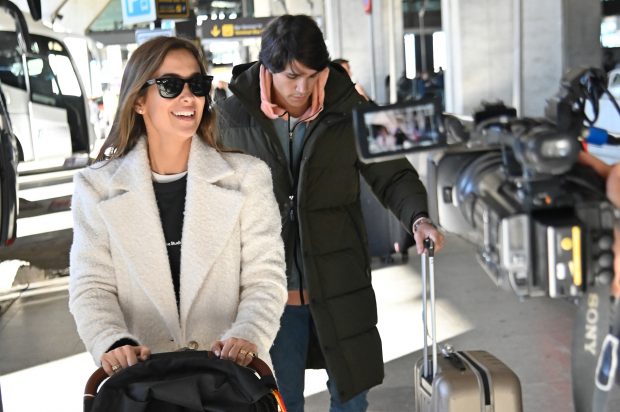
column 439, row 51
column 35, row 67
column 610, row 32
column 410, row 63
column 67, row 79
column 43, row 84
column 11, row 67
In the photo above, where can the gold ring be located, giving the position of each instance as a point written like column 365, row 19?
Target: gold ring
column 252, row 354
column 115, row 368
column 243, row 352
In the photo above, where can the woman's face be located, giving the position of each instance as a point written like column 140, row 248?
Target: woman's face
column 175, row 118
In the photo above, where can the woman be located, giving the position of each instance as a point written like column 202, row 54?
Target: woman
column 176, row 242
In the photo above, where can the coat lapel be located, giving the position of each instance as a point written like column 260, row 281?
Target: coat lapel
column 211, row 216
column 135, row 226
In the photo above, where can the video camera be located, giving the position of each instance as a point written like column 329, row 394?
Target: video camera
column 510, row 185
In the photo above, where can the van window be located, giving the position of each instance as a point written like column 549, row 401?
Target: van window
column 43, row 85
column 67, row 80
column 50, row 69
column 11, row 67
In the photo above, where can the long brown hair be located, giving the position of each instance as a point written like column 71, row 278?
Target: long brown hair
column 128, row 126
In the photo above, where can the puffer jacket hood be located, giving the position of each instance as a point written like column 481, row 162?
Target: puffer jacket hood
column 273, row 111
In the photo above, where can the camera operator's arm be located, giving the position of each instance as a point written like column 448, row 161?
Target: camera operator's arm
column 612, row 177
column 613, row 194
column 613, row 185
column 600, row 167
column 398, row 187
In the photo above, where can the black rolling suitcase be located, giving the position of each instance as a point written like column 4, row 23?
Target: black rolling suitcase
column 463, row 381
column 185, row 381
column 386, row 235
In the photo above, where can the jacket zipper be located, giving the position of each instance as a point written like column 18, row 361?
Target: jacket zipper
column 293, row 207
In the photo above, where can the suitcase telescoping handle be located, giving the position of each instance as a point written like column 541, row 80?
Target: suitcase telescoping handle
column 428, row 270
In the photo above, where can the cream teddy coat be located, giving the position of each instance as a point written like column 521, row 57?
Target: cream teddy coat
column 233, row 280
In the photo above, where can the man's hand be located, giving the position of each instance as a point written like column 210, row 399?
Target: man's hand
column 424, row 228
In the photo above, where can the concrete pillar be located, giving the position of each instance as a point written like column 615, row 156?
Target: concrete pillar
column 269, row 8
column 266, row 8
column 473, row 53
column 262, row 8
column 348, row 35
column 516, row 51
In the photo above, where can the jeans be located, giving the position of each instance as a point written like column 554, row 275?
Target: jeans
column 288, row 355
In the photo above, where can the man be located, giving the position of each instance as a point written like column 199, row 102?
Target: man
column 347, row 67
column 293, row 110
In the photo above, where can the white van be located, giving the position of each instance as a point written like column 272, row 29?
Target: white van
column 45, row 97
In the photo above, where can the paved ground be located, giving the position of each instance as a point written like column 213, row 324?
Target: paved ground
column 48, row 251
column 41, row 353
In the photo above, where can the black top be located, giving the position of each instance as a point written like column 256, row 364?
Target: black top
column 170, row 198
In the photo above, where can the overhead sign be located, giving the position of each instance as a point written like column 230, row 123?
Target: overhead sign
column 173, row 9
column 226, row 29
column 138, row 11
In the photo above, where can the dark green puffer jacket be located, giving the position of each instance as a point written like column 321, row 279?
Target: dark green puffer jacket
column 328, row 222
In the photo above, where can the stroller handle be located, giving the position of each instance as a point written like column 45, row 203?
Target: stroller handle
column 95, row 380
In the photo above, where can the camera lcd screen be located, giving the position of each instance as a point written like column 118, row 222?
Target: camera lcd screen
column 384, row 132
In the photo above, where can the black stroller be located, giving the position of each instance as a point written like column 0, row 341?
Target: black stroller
column 182, row 382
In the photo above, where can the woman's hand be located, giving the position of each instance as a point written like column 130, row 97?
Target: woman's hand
column 235, row 349
column 122, row 357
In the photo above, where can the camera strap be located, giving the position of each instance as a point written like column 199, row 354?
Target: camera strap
column 590, row 329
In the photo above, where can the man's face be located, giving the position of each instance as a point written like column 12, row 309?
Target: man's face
column 293, row 86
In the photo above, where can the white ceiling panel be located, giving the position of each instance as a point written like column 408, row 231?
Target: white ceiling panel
column 76, row 15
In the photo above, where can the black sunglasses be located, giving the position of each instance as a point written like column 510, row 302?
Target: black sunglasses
column 170, row 87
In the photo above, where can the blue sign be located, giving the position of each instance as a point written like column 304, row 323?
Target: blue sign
column 138, row 11
column 137, row 7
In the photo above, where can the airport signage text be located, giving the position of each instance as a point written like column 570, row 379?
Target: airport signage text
column 227, row 29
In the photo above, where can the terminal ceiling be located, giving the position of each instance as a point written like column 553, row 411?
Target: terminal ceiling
column 78, row 16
